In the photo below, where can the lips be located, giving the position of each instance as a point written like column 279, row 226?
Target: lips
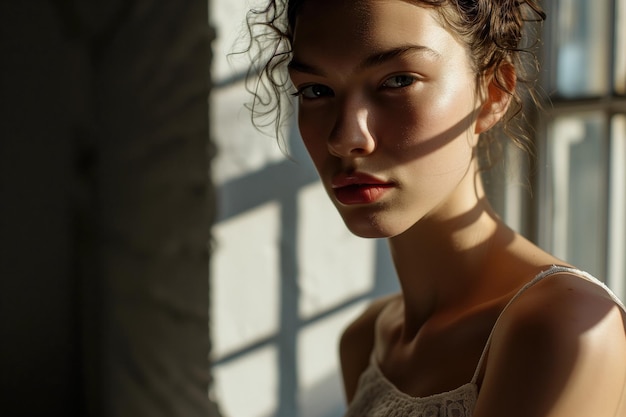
column 359, row 188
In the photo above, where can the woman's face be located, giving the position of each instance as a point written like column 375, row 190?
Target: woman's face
column 387, row 111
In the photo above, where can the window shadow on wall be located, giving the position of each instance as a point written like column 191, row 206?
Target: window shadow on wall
column 280, row 184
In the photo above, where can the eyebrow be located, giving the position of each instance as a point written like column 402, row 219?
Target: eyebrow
column 375, row 59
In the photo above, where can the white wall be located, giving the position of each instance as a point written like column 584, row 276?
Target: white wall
column 287, row 276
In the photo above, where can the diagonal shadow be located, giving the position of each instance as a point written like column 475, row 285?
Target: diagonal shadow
column 278, row 182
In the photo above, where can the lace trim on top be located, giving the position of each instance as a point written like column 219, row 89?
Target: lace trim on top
column 376, row 396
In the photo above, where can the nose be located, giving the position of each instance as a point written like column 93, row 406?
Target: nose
column 351, row 135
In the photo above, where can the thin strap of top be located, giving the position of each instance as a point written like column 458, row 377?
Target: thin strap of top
column 554, row 269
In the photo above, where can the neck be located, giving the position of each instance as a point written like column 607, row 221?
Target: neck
column 443, row 262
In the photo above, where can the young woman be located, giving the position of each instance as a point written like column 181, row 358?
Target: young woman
column 395, row 101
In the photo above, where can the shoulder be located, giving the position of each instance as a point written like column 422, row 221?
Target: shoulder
column 357, row 343
column 559, row 306
column 561, row 340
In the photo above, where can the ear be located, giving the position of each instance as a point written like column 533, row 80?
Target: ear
column 496, row 97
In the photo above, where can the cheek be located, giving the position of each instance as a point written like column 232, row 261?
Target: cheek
column 423, row 124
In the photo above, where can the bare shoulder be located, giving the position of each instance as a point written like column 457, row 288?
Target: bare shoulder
column 559, row 350
column 357, row 342
column 561, row 306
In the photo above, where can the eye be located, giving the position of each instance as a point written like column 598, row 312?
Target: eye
column 314, row 91
column 399, row 81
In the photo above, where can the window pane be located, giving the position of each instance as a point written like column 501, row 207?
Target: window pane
column 577, row 161
column 617, row 199
column 620, row 48
column 581, row 40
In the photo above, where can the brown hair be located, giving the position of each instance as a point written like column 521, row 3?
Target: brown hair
column 492, row 30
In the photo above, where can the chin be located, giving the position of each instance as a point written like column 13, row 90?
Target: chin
column 372, row 228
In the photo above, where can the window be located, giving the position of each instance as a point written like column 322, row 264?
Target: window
column 581, row 215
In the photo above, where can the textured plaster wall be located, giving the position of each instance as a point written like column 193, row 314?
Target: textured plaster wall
column 105, row 208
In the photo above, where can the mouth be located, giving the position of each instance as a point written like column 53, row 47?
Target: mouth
column 359, row 188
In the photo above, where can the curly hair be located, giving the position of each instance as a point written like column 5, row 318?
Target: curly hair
column 493, row 31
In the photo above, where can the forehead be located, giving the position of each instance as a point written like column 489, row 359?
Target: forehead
column 352, row 26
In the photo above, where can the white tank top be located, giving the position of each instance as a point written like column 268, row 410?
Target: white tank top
column 376, row 396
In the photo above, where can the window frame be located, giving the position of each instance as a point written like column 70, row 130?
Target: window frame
column 611, row 105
